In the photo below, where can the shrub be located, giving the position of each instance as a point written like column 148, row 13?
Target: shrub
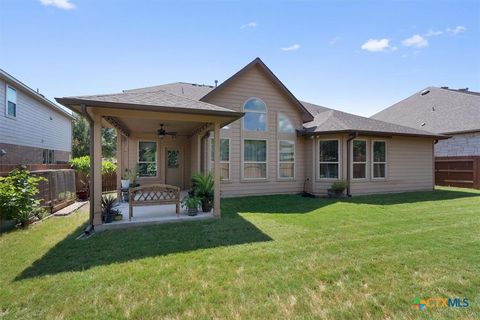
column 339, row 186
column 17, row 196
column 203, row 189
column 82, row 164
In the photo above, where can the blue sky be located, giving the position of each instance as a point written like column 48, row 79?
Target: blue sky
column 356, row 56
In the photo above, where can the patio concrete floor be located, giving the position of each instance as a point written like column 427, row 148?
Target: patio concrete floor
column 148, row 215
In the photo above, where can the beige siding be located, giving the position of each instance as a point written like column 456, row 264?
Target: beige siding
column 254, row 83
column 409, row 166
column 36, row 125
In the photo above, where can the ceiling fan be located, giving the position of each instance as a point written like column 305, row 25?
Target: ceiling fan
column 162, row 133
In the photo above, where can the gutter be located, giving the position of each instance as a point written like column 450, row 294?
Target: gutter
column 353, row 136
column 90, row 229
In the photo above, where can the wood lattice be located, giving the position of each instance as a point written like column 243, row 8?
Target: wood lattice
column 154, row 194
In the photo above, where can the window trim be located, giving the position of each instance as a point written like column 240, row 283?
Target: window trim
column 243, row 160
column 292, row 162
column 374, row 162
column 253, row 111
column 156, row 159
column 213, row 160
column 366, row 160
column 339, row 162
column 6, row 101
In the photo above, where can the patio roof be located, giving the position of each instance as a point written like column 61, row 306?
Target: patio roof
column 149, row 101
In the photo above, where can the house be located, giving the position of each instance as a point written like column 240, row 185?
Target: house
column 441, row 110
column 257, row 138
column 33, row 130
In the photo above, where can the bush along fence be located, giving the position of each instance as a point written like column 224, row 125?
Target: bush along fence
column 82, row 168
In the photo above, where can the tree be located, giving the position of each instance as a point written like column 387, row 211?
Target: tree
column 81, row 139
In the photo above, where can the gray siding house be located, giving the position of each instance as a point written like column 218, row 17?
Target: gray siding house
column 33, row 130
column 441, row 110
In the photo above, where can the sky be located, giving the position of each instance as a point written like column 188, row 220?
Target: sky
column 355, row 56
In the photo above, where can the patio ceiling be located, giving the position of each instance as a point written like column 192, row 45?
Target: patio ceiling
column 150, row 126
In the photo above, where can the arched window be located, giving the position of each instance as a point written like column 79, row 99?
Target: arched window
column 255, row 118
column 284, row 124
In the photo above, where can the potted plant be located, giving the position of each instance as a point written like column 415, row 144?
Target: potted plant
column 203, row 186
column 108, row 212
column 126, row 179
column 191, row 204
column 337, row 188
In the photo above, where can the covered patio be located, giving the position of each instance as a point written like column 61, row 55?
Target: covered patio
column 162, row 137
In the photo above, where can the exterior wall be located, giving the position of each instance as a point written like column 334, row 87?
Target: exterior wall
column 467, row 144
column 36, row 125
column 254, row 83
column 409, row 167
column 17, row 154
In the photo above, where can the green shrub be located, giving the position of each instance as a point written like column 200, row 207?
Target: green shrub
column 202, row 186
column 82, row 164
column 17, row 196
column 339, row 186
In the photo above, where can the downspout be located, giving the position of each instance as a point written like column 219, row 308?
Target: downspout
column 89, row 229
column 355, row 135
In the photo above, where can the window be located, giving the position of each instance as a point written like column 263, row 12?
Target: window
column 255, row 118
column 254, row 159
column 284, row 124
column 11, row 105
column 147, row 158
column 359, row 159
column 48, row 156
column 329, row 157
column 286, row 159
column 379, row 162
column 224, row 157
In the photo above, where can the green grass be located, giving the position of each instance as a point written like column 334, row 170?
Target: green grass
column 268, row 257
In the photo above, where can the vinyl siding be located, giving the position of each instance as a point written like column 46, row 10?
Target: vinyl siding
column 254, row 83
column 409, row 166
column 33, row 127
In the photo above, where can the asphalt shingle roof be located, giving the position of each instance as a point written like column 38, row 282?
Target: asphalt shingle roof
column 338, row 121
column 440, row 110
column 189, row 90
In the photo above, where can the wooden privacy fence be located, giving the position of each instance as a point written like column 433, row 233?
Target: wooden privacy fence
column 109, row 181
column 6, row 168
column 461, row 172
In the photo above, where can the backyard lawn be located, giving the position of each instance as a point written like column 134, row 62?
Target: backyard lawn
column 269, row 257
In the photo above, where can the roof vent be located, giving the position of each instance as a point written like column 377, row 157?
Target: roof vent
column 433, row 108
column 424, row 92
column 216, row 83
column 444, row 87
column 465, row 89
column 422, row 124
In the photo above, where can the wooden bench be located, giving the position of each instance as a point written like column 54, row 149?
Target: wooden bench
column 153, row 194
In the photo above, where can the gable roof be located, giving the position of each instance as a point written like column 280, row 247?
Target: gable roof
column 37, row 96
column 440, row 110
column 258, row 62
column 156, row 100
column 184, row 89
column 334, row 121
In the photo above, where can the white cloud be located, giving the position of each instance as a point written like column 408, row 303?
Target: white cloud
column 293, row 47
column 251, row 24
column 62, row 4
column 415, row 41
column 377, row 45
column 432, row 33
column 456, row 30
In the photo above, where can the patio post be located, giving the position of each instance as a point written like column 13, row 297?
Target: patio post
column 119, row 163
column 96, row 180
column 216, row 204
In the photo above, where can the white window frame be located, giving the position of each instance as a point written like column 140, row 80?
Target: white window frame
column 378, row 162
column 243, row 160
column 290, row 162
column 211, row 162
column 366, row 160
column 253, row 111
column 6, row 101
column 156, row 159
column 339, row 162
column 279, row 114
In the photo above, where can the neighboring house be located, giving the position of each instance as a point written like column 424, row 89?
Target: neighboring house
column 442, row 110
column 33, row 130
column 270, row 142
